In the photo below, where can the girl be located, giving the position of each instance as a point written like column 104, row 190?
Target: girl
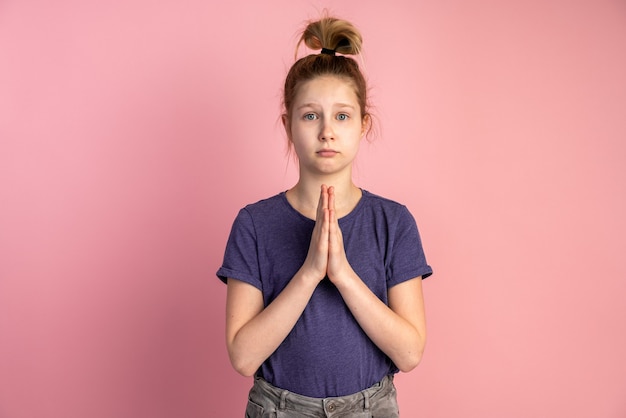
column 324, row 301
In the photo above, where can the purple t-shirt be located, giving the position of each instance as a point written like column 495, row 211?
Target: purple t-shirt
column 326, row 353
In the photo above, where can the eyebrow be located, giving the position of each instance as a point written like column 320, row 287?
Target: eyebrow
column 317, row 105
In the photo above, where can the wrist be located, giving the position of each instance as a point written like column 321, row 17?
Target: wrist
column 308, row 277
column 344, row 280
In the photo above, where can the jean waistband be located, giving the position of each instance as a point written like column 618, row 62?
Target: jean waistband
column 285, row 399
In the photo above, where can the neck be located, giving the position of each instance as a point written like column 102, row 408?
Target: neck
column 305, row 195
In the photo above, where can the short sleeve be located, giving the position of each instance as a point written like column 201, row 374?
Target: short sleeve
column 407, row 259
column 241, row 259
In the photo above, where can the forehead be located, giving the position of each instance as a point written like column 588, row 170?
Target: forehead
column 328, row 89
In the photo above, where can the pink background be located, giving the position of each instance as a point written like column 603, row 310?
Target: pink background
column 132, row 131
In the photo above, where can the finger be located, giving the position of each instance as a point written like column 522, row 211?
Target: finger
column 335, row 235
column 324, row 196
column 323, row 215
column 332, row 215
column 323, row 202
column 320, row 206
column 326, row 210
column 331, row 198
column 327, row 217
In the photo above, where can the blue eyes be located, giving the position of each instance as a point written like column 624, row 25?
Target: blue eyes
column 313, row 116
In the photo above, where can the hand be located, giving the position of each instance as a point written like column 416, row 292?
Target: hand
column 338, row 266
column 316, row 262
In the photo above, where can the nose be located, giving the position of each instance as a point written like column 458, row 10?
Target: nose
column 326, row 132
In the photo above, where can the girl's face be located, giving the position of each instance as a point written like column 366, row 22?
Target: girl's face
column 325, row 126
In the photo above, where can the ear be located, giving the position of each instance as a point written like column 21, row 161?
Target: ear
column 285, row 118
column 366, row 124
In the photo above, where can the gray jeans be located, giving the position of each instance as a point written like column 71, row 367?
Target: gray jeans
column 267, row 401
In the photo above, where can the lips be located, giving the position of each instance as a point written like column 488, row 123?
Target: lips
column 327, row 153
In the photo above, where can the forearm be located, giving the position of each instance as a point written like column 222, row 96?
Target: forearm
column 396, row 336
column 258, row 338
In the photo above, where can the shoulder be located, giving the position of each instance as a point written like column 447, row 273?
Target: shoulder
column 267, row 215
column 265, row 206
column 382, row 204
column 387, row 213
column 253, row 219
column 375, row 198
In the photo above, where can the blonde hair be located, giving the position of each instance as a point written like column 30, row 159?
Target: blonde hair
column 333, row 34
column 330, row 35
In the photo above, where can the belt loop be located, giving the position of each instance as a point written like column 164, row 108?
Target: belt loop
column 283, row 397
column 366, row 400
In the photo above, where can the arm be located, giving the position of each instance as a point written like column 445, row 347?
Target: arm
column 399, row 329
column 254, row 332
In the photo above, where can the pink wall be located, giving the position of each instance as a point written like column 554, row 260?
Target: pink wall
column 132, row 131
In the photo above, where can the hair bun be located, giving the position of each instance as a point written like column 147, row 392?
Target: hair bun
column 334, row 34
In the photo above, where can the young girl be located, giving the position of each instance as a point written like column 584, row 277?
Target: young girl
column 324, row 299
